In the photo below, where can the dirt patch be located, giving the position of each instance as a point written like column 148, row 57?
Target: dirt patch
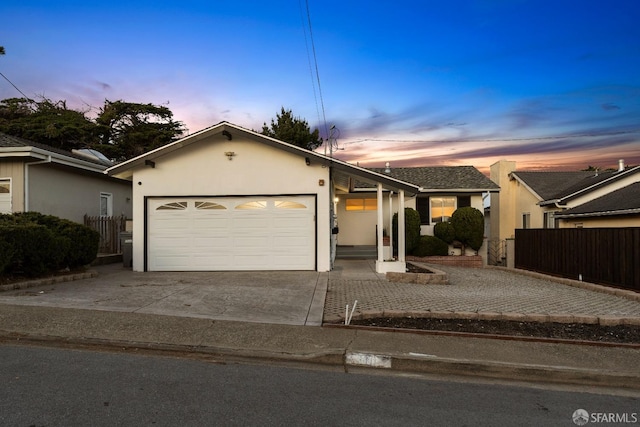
column 569, row 331
column 412, row 268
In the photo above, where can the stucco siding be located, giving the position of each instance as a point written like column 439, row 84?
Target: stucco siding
column 66, row 193
column 203, row 169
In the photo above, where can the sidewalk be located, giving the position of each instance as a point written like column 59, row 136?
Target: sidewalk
column 346, row 348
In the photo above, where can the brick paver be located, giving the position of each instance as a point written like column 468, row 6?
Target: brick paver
column 471, row 290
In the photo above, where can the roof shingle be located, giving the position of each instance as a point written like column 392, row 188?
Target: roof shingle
column 442, row 177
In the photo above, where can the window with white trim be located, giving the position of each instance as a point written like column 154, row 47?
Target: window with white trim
column 361, row 204
column 5, row 195
column 106, row 204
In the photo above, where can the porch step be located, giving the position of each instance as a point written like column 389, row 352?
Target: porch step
column 356, row 252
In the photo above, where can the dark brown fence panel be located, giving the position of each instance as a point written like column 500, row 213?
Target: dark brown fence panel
column 608, row 256
column 109, row 228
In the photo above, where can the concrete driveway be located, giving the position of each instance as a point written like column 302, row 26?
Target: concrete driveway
column 278, row 297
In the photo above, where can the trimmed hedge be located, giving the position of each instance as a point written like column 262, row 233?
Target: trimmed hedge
column 40, row 244
column 411, row 230
column 431, row 246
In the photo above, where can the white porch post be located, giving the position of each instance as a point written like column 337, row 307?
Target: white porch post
column 390, row 224
column 380, row 224
column 401, row 234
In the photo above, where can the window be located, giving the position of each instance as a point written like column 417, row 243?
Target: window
column 550, row 220
column 208, row 205
column 286, row 204
column 173, row 206
column 5, row 196
column 106, row 204
column 526, row 220
column 442, row 208
column 260, row 204
column 361, row 204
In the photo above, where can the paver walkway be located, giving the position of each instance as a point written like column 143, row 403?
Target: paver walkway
column 470, row 290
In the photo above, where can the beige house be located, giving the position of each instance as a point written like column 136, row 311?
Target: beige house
column 545, row 199
column 443, row 189
column 227, row 198
column 36, row 177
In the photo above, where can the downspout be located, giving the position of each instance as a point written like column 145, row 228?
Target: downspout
column 26, row 180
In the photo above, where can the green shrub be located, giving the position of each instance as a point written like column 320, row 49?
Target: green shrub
column 82, row 242
column 6, row 254
column 444, row 231
column 35, row 250
column 431, row 246
column 468, row 224
column 411, row 229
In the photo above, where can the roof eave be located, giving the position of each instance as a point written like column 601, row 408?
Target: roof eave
column 600, row 213
column 40, row 154
column 601, row 183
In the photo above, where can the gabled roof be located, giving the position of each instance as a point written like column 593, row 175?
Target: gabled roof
column 623, row 201
column 450, row 178
column 13, row 146
column 229, row 130
column 547, row 184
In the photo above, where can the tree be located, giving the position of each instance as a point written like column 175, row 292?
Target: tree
column 293, row 130
column 46, row 122
column 468, row 224
column 127, row 129
column 1, row 50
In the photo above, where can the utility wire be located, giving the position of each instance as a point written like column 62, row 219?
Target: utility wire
column 541, row 138
column 306, row 45
column 315, row 60
column 16, row 88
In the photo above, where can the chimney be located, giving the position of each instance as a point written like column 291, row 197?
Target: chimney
column 620, row 165
column 387, row 168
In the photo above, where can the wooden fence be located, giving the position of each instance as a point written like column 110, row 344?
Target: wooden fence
column 608, row 256
column 109, row 228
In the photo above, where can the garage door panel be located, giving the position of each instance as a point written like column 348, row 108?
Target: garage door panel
column 265, row 233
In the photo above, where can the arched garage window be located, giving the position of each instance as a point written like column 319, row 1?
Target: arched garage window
column 286, row 204
column 209, row 205
column 173, row 206
column 259, row 204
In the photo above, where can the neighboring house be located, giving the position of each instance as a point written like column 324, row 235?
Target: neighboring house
column 36, row 177
column 541, row 199
column 620, row 208
column 443, row 189
column 227, row 198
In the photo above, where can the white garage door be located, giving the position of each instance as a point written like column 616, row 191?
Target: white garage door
column 231, row 233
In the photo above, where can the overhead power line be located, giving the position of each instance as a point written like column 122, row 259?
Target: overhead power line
column 15, row 87
column 540, row 138
column 315, row 68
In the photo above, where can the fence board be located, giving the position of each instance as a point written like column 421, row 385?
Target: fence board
column 608, row 256
column 109, row 228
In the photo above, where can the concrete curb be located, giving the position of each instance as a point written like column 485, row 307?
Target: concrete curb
column 348, row 361
column 48, row 281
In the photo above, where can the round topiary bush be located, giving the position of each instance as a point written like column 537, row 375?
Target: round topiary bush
column 431, row 246
column 468, row 224
column 444, row 231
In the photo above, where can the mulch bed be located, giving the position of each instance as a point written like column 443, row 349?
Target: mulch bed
column 569, row 331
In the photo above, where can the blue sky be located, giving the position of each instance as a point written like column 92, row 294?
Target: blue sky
column 550, row 84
